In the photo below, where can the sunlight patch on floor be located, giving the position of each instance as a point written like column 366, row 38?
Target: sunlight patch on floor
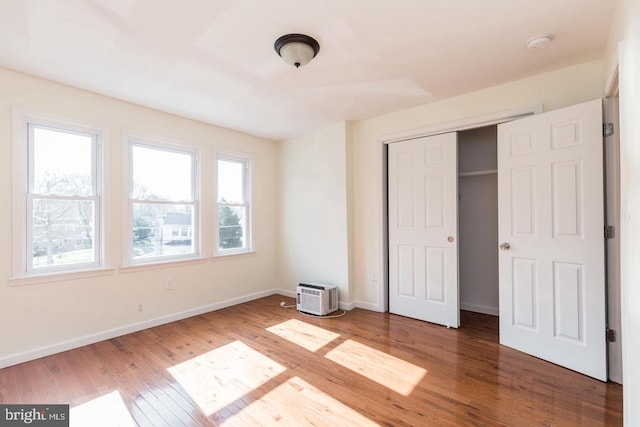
column 307, row 336
column 219, row 377
column 389, row 371
column 298, row 403
column 108, row 410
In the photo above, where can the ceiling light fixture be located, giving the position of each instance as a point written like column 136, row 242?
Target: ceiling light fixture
column 296, row 49
column 539, row 42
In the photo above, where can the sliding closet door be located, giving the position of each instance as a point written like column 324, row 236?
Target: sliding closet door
column 551, row 224
column 423, row 218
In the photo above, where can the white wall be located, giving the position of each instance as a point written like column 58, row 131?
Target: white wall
column 314, row 217
column 555, row 89
column 626, row 29
column 35, row 319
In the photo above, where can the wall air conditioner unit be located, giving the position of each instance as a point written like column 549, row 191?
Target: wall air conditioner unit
column 316, row 298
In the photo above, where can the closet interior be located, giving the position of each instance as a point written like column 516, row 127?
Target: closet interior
column 478, row 220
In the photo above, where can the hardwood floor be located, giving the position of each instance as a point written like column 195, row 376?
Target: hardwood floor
column 260, row 364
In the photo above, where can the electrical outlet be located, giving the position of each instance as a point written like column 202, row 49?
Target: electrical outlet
column 140, row 307
column 168, row 284
column 374, row 276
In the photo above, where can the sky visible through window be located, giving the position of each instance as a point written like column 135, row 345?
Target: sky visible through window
column 165, row 174
column 230, row 185
column 60, row 153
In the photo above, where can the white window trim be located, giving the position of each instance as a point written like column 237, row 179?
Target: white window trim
column 35, row 279
column 248, row 181
column 129, row 140
column 21, row 274
column 96, row 198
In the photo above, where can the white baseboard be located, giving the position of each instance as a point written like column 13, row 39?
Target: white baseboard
column 494, row 311
column 369, row 306
column 36, row 353
column 47, row 350
column 285, row 292
column 347, row 306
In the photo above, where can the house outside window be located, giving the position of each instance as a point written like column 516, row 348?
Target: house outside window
column 163, row 203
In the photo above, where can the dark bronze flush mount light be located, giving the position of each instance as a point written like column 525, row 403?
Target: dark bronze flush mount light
column 297, row 49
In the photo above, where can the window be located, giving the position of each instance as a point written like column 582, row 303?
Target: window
column 233, row 200
column 163, row 203
column 61, row 220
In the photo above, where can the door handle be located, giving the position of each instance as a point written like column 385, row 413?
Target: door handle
column 505, row 246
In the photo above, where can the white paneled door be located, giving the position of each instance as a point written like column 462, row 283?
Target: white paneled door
column 551, row 224
column 423, row 218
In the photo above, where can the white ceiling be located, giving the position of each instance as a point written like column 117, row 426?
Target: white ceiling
column 213, row 60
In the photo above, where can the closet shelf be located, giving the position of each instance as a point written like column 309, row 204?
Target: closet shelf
column 477, row 173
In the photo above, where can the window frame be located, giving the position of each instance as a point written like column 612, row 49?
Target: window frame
column 24, row 123
column 153, row 143
column 248, row 246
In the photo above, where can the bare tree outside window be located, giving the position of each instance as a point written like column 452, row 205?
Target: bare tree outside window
column 62, row 197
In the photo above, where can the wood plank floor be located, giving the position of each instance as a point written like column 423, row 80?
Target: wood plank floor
column 260, row 364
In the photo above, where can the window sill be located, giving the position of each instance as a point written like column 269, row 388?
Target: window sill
column 35, row 279
column 223, row 256
column 129, row 268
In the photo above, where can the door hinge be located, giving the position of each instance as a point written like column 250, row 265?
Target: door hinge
column 611, row 335
column 609, row 231
column 607, row 129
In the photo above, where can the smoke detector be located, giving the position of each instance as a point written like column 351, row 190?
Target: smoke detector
column 539, row 42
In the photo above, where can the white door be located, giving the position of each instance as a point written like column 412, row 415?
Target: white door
column 423, row 218
column 551, row 225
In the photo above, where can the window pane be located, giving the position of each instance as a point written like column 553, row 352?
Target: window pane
column 161, row 175
column 162, row 230
column 230, row 181
column 232, row 227
column 62, row 232
column 61, row 163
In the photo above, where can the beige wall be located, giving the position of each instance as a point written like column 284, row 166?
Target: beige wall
column 35, row 319
column 314, row 210
column 554, row 90
column 624, row 47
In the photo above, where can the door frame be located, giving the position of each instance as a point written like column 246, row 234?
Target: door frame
column 613, row 249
